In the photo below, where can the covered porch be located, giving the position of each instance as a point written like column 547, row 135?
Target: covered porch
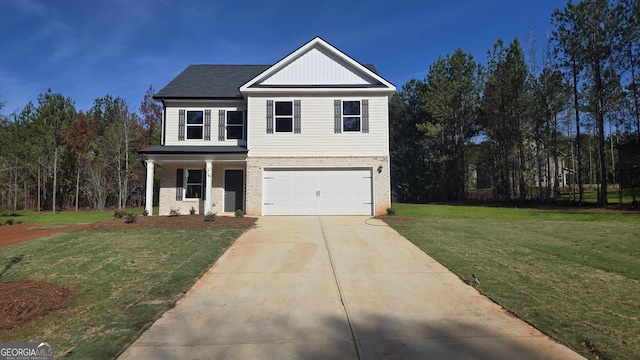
column 196, row 179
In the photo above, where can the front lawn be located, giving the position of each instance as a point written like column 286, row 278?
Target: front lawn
column 574, row 274
column 121, row 281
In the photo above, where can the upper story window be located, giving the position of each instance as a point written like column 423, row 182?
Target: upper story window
column 235, row 125
column 195, row 124
column 284, row 116
column 351, row 116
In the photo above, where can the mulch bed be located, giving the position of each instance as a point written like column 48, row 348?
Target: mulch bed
column 24, row 300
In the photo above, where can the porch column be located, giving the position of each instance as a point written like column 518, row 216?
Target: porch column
column 149, row 191
column 207, row 191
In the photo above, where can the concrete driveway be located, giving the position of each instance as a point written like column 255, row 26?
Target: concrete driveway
column 336, row 288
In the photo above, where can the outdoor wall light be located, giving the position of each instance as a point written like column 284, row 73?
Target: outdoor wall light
column 379, row 169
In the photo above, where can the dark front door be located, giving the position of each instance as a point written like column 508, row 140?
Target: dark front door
column 233, row 190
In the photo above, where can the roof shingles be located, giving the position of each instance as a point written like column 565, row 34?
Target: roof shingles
column 210, row 82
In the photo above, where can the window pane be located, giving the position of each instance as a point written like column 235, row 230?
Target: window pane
column 234, row 117
column 351, row 123
column 194, row 191
column 194, row 117
column 234, row 132
column 284, row 108
column 194, row 132
column 194, row 176
column 284, row 125
column 351, row 107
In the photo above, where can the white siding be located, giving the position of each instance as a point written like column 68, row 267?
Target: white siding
column 171, row 122
column 317, row 137
column 317, row 67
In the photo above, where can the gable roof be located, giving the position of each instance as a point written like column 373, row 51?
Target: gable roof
column 228, row 82
column 210, row 81
column 336, row 71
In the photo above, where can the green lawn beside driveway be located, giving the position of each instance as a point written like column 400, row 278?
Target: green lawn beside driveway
column 121, row 280
column 573, row 274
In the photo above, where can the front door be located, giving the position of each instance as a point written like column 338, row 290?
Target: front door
column 233, row 190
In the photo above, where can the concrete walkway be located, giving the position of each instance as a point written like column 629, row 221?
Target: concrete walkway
column 336, row 288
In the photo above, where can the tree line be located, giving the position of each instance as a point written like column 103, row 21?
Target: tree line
column 54, row 157
column 526, row 126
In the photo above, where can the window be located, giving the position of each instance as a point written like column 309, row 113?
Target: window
column 194, row 183
column 235, row 125
column 284, row 116
column 195, row 124
column 351, row 115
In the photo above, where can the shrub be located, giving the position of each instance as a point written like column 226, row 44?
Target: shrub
column 239, row 213
column 192, row 211
column 209, row 217
column 9, row 222
column 130, row 218
column 391, row 211
column 118, row 214
column 174, row 212
column 145, row 213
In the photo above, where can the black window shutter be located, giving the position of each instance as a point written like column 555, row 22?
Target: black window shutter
column 296, row 117
column 269, row 116
column 337, row 116
column 204, row 184
column 207, row 125
column 181, row 116
column 221, row 120
column 365, row 116
column 179, row 184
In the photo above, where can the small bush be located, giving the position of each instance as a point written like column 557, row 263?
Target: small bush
column 145, row 213
column 209, row 217
column 391, row 211
column 119, row 214
column 239, row 213
column 174, row 212
column 192, row 211
column 9, row 222
column 130, row 218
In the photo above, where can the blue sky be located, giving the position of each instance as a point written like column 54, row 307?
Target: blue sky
column 88, row 49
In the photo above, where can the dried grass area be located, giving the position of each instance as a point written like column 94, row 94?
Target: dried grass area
column 24, row 301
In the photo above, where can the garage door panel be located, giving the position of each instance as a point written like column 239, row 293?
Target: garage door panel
column 317, row 192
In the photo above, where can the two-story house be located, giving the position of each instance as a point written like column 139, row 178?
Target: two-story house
column 308, row 135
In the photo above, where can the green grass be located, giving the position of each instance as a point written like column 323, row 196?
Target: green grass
column 67, row 217
column 506, row 213
column 613, row 196
column 121, row 281
column 575, row 276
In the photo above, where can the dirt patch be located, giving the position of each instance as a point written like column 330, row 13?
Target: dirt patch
column 24, row 301
column 14, row 234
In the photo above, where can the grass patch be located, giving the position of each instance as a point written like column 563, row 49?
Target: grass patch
column 575, row 276
column 514, row 213
column 121, row 280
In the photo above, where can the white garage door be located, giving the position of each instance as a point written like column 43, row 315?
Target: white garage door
column 317, row 192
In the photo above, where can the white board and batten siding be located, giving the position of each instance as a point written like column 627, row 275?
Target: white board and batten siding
column 317, row 67
column 317, row 136
column 315, row 191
